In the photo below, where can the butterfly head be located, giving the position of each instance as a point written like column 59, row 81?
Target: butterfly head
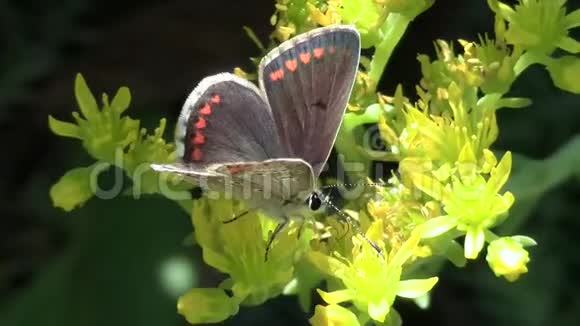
column 313, row 201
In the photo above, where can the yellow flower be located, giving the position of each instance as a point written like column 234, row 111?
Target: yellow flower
column 472, row 204
column 333, row 315
column 539, row 25
column 238, row 249
column 508, row 258
column 207, row 305
column 372, row 282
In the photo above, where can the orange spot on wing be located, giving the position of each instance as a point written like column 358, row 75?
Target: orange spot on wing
column 277, row 74
column 196, row 154
column 318, row 52
column 331, row 49
column 215, row 99
column 304, row 57
column 291, row 64
column 199, row 138
column 200, row 124
column 206, row 109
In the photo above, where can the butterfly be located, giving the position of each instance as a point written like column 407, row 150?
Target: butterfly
column 268, row 145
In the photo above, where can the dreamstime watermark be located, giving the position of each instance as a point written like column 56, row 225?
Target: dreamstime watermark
column 258, row 184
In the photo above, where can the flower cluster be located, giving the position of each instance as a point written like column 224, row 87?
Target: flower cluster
column 237, row 249
column 445, row 199
column 372, row 281
column 112, row 140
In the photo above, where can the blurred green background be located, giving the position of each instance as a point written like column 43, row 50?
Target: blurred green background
column 125, row 262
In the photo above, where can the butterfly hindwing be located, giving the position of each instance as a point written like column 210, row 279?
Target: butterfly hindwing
column 225, row 119
column 307, row 81
column 279, row 179
column 276, row 179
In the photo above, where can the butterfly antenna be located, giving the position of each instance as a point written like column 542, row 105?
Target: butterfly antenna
column 350, row 220
column 352, row 185
column 342, row 221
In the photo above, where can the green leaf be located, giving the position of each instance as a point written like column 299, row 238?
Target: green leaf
column 206, row 305
column 64, row 129
column 76, row 186
column 85, row 98
column 121, row 100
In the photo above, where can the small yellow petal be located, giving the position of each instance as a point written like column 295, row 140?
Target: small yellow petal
column 336, row 296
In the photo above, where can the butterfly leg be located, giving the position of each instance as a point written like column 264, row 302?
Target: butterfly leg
column 300, row 229
column 235, row 217
column 276, row 231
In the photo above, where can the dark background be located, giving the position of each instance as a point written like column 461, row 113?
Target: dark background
column 101, row 264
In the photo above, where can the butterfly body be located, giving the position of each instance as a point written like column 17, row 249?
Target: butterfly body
column 279, row 187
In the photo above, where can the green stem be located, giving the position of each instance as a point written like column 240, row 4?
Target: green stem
column 392, row 30
column 490, row 236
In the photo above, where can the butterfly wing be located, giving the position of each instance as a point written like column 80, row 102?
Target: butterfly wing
column 226, row 119
column 280, row 179
column 307, row 81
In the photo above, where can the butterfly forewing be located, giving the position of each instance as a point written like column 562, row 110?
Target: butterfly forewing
column 307, row 82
